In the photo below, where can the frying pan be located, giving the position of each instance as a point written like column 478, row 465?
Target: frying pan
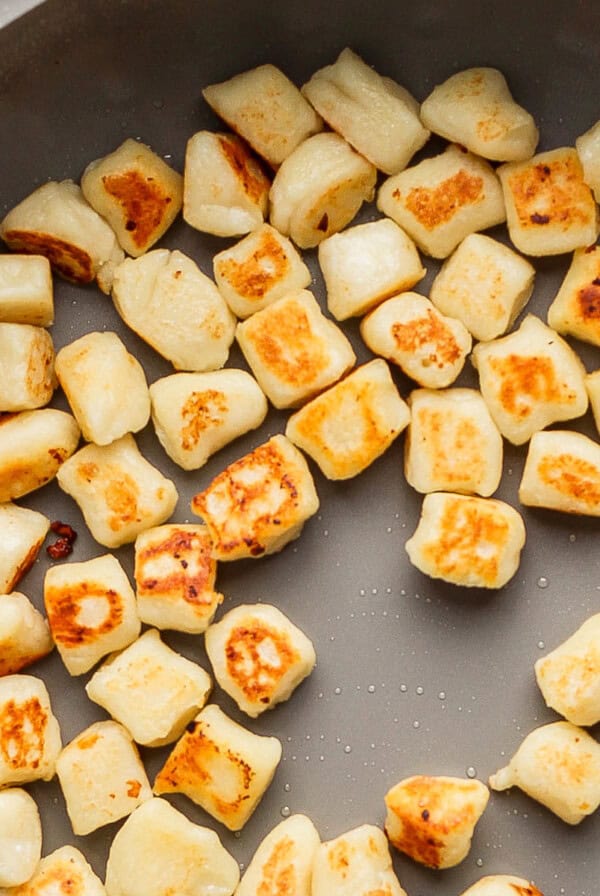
column 413, row 675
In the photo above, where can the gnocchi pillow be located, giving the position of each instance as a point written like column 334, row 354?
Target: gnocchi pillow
column 20, row 837
column 26, row 290
column 27, row 378
column 23, row 533
column 575, row 310
column 30, row 740
column 356, row 862
column 24, row 633
column 287, row 853
column 562, row 472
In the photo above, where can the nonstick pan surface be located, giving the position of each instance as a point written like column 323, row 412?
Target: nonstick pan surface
column 413, row 676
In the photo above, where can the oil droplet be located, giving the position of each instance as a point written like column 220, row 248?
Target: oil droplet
column 337, row 692
column 541, row 645
column 471, row 772
column 479, row 863
column 237, row 834
column 420, row 690
column 442, row 695
column 373, row 590
column 287, row 787
column 572, row 538
column 286, row 811
column 416, row 724
column 362, row 592
column 403, row 688
column 542, row 582
column 347, row 748
column 371, row 689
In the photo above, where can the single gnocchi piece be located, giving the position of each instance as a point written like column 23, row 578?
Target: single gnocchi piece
column 549, row 207
column 377, row 116
column 258, row 656
column 467, row 540
column 575, row 309
column 221, row 766
column 530, row 379
column 259, row 503
column 347, row 427
column 588, row 150
column 293, row 350
column 33, row 445
column 105, row 386
column 26, row 290
column 30, row 740
column 409, row 331
column 366, row 264
column 65, row 869
column 118, row 491
column 286, row 854
column 502, row 885
column 150, row 689
column 197, row 414
column 91, row 610
column 562, row 472
column 136, row 192
column 357, row 863
column 264, row 107
column 225, row 190
column 23, row 532
column 167, row 300
column 592, row 385
column 319, row 189
column 20, row 837
column 569, row 676
column 452, row 443
column 475, row 108
column 101, row 776
column 57, row 222
column 158, row 852
column 260, row 269
column 443, row 199
column 27, row 379
column 559, row 766
column 175, row 577
column 24, row 633
column 485, row 285
column 432, row 819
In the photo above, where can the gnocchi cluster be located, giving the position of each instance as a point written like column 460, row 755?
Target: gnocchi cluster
column 290, row 174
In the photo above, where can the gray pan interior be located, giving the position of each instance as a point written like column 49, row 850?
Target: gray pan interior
column 413, row 675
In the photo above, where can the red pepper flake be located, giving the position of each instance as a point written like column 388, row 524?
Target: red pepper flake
column 536, row 218
column 63, row 546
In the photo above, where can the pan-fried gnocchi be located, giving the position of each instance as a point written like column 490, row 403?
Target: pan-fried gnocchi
column 319, row 189
column 167, row 300
column 293, row 350
column 588, row 150
column 221, row 766
column 530, row 379
column 264, row 107
column 574, row 311
column 259, row 503
column 443, row 199
column 23, row 532
column 197, row 414
column 357, row 863
column 30, row 739
column 549, row 207
column 569, row 676
column 56, row 221
column 347, row 427
column 91, row 610
column 64, row 869
column 286, row 854
column 432, row 819
column 225, row 190
column 502, row 885
column 101, row 776
column 175, row 577
column 20, row 837
column 559, row 766
column 158, row 851
column 377, row 116
column 467, row 540
column 562, row 472
column 258, row 656
column 136, row 192
column 150, row 689
column 366, row 264
column 260, row 269
column 118, row 491
column 26, row 290
column 87, row 370
column 24, row 633
column 476, row 109
column 27, row 379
